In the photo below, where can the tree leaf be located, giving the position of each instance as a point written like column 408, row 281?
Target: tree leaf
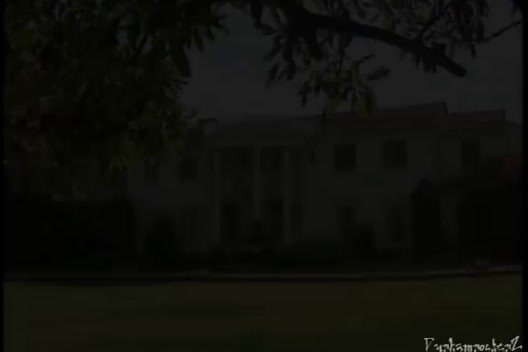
column 181, row 60
column 275, row 16
column 472, row 50
column 379, row 73
column 209, row 34
column 361, row 106
column 133, row 32
column 334, row 104
column 290, row 71
column 276, row 48
column 345, row 39
column 198, row 40
column 370, row 101
column 272, row 73
column 256, row 9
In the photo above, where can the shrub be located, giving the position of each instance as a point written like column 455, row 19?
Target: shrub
column 360, row 246
column 310, row 254
column 163, row 249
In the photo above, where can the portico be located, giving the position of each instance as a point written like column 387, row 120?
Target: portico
column 258, row 194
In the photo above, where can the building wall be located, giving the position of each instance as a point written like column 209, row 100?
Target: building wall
column 371, row 189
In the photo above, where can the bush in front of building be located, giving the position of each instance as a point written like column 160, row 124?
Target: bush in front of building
column 163, row 249
column 361, row 246
column 309, row 254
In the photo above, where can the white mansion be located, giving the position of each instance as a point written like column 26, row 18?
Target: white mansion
column 307, row 177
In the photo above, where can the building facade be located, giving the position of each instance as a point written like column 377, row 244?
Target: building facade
column 297, row 179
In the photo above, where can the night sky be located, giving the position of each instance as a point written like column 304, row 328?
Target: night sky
column 229, row 78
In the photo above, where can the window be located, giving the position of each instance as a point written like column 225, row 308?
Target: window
column 188, row 169
column 344, row 157
column 271, row 158
column 236, row 159
column 346, row 221
column 470, row 154
column 296, row 213
column 188, row 223
column 243, row 158
column 229, row 222
column 274, row 219
column 394, row 154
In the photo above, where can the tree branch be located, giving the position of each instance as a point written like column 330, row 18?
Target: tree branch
column 435, row 19
column 299, row 15
column 501, row 31
column 139, row 49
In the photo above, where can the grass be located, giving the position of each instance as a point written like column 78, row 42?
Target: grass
column 296, row 317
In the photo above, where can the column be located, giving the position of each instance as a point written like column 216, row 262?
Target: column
column 286, row 195
column 217, row 196
column 143, row 222
column 449, row 217
column 255, row 193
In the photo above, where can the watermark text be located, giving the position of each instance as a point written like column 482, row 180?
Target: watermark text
column 452, row 346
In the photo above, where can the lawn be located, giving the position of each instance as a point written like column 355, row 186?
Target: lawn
column 296, row 317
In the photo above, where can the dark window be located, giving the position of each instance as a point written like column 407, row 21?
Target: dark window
column 229, row 222
column 236, row 159
column 271, row 158
column 188, row 223
column 394, row 154
column 188, row 169
column 470, row 154
column 296, row 213
column 274, row 219
column 243, row 158
column 346, row 221
column 344, row 157
column 151, row 171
